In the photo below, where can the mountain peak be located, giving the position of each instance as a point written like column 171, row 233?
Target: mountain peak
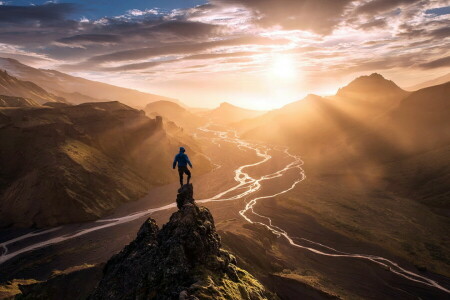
column 183, row 260
column 226, row 105
column 371, row 86
column 375, row 76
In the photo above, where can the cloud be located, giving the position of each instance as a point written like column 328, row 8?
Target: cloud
column 220, row 55
column 319, row 16
column 138, row 12
column 136, row 66
column 437, row 63
column 378, row 6
column 205, row 56
column 441, row 33
column 374, row 24
column 434, row 29
column 47, row 13
column 185, row 28
column 91, row 38
column 182, row 48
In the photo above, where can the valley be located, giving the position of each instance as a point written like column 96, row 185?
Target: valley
column 363, row 215
column 240, row 197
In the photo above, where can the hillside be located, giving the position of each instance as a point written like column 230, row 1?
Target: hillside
column 92, row 158
column 227, row 113
column 12, row 86
column 75, row 89
column 421, row 127
column 175, row 113
column 11, row 101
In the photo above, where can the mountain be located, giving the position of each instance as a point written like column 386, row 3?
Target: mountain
column 436, row 81
column 421, row 128
column 91, row 158
column 75, row 89
column 306, row 124
column 11, row 101
column 369, row 94
column 183, row 260
column 174, row 112
column 398, row 144
column 341, row 134
column 373, row 86
column 421, row 120
column 11, row 86
column 294, row 123
column 227, row 113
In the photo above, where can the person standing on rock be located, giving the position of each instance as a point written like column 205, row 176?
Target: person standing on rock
column 183, row 161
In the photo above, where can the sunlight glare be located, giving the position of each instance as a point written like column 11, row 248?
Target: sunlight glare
column 283, row 67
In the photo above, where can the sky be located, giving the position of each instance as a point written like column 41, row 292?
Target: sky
column 259, row 54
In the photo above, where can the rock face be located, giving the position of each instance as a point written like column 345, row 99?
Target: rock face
column 183, row 260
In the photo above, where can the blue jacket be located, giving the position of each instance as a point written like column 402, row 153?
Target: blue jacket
column 182, row 160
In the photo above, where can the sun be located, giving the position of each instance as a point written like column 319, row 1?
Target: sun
column 283, row 67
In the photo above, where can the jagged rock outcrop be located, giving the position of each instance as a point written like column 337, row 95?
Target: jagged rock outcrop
column 183, row 260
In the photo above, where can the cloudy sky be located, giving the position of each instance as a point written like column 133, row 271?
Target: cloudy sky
column 254, row 53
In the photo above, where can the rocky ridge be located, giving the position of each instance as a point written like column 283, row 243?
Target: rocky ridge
column 183, row 260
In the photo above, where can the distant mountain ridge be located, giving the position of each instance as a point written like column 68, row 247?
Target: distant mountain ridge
column 175, row 113
column 371, row 85
column 12, row 86
column 228, row 113
column 76, row 89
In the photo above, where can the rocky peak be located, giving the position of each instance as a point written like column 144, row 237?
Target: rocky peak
column 374, row 85
column 185, row 195
column 183, row 260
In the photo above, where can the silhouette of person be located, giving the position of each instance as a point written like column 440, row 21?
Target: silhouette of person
column 183, row 161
